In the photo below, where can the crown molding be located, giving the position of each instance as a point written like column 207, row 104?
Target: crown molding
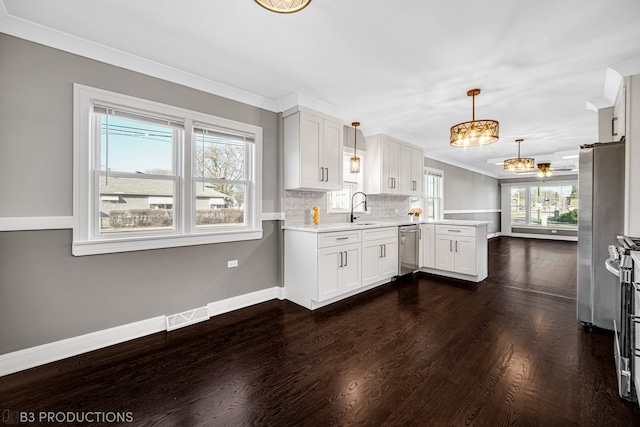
column 46, row 36
column 612, row 81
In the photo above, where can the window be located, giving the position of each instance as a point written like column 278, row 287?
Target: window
column 534, row 205
column 340, row 201
column 149, row 175
column 433, row 184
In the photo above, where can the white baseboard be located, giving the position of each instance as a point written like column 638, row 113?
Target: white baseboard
column 35, row 356
column 492, row 235
column 242, row 301
column 545, row 236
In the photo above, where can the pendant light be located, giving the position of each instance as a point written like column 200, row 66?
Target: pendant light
column 475, row 132
column 354, row 162
column 519, row 164
column 284, row 6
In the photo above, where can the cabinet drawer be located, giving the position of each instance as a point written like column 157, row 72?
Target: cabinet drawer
column 338, row 238
column 455, row 230
column 379, row 233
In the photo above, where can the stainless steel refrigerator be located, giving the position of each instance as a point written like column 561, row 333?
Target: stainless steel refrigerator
column 600, row 221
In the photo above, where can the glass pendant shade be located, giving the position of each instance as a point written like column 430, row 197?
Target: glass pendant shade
column 284, row 6
column 354, row 162
column 475, row 132
column 519, row 164
column 354, row 165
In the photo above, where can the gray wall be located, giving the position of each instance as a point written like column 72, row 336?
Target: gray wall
column 465, row 190
column 46, row 294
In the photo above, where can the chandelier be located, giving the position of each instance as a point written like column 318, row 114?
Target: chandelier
column 475, row 132
column 354, row 162
column 519, row 164
column 283, row 6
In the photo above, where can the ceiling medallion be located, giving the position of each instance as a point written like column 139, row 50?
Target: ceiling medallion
column 475, row 132
column 283, row 6
column 520, row 164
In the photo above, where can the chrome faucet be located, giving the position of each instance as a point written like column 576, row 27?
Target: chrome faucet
column 352, row 218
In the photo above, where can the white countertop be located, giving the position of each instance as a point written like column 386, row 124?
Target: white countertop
column 362, row 225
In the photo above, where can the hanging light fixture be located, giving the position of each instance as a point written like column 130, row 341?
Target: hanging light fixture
column 475, row 132
column 519, row 164
column 284, row 6
column 354, row 162
column 544, row 169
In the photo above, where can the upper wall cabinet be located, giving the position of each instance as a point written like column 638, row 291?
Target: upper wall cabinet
column 393, row 167
column 312, row 151
column 411, row 171
column 618, row 123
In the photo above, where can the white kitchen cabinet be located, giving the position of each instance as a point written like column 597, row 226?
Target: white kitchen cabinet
column 379, row 254
column 312, row 151
column 338, row 270
column 455, row 251
column 427, row 245
column 411, row 171
column 618, row 124
column 322, row 267
column 393, row 167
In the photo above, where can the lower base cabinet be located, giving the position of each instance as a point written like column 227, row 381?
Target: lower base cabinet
column 320, row 268
column 379, row 254
column 338, row 270
column 455, row 251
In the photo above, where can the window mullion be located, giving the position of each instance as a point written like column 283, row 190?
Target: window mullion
column 188, row 212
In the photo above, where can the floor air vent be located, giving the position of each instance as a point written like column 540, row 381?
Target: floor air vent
column 187, row 318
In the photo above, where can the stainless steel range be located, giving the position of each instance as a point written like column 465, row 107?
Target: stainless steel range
column 627, row 327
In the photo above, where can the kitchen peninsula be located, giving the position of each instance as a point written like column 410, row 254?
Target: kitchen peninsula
column 329, row 262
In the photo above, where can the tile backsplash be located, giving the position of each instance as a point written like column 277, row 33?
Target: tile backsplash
column 298, row 204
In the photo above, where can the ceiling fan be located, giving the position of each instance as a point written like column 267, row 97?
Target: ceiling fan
column 545, row 169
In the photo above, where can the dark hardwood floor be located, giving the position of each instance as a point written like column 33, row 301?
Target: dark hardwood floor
column 425, row 351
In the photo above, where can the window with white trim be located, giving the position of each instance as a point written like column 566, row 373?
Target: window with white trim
column 553, row 204
column 434, row 195
column 149, row 175
column 340, row 201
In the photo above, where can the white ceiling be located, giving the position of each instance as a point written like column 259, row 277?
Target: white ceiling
column 399, row 67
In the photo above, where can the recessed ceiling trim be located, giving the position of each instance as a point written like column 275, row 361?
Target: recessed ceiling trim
column 3, row 10
column 46, row 36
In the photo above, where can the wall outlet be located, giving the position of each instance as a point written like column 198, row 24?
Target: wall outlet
column 232, row 263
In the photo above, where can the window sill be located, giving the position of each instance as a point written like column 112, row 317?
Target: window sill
column 96, row 247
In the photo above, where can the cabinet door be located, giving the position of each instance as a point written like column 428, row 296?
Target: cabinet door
column 445, row 256
column 465, row 259
column 417, row 171
column 428, row 245
column 311, row 136
column 406, row 175
column 332, row 155
column 330, row 261
column 349, row 273
column 371, row 255
column 618, row 127
column 389, row 260
column 390, row 167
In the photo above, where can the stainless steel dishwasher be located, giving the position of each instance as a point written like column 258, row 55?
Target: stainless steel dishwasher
column 408, row 236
